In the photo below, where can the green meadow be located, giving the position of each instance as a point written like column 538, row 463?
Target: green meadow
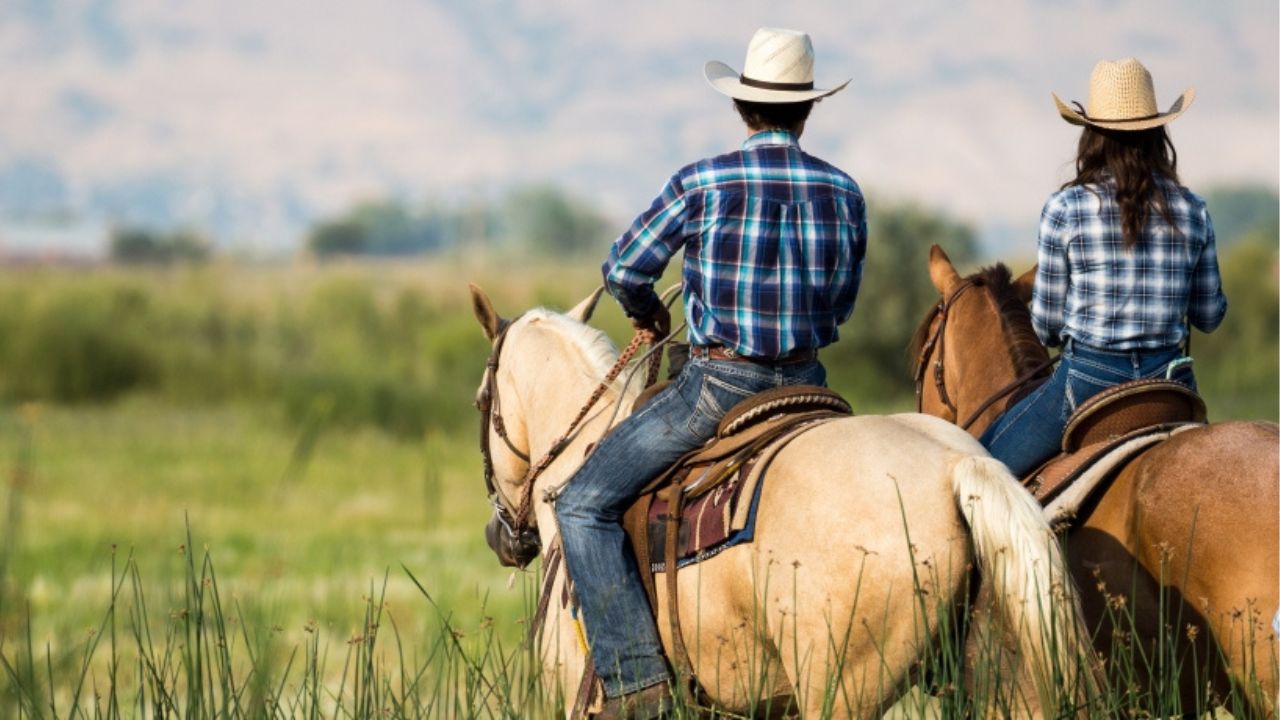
column 238, row 490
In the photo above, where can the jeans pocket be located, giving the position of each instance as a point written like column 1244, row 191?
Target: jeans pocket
column 715, row 397
column 811, row 373
column 1083, row 385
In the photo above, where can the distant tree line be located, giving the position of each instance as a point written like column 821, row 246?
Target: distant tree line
column 538, row 218
column 405, row 358
column 142, row 246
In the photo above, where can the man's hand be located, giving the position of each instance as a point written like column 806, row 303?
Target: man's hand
column 657, row 326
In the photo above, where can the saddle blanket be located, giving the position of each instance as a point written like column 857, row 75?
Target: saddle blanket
column 1087, row 470
column 719, row 510
column 709, row 524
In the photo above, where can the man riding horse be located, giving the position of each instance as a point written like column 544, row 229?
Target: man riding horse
column 773, row 242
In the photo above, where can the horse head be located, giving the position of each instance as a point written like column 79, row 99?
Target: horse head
column 512, row 530
column 974, row 343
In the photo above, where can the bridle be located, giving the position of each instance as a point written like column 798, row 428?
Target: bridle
column 516, row 521
column 490, row 407
column 935, row 344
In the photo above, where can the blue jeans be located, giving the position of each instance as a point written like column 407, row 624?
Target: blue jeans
column 615, row 609
column 1030, row 432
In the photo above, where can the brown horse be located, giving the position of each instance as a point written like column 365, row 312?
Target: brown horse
column 1177, row 558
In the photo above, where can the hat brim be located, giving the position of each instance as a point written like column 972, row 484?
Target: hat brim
column 1076, row 117
column 727, row 81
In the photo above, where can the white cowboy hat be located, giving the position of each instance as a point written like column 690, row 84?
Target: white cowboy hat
column 778, row 69
column 1122, row 97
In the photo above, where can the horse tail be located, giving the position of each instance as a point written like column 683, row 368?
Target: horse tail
column 1027, row 579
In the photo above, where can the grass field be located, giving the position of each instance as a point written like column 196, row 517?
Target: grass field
column 309, row 429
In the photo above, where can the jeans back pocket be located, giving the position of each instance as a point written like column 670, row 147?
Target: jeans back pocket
column 1083, row 384
column 715, row 397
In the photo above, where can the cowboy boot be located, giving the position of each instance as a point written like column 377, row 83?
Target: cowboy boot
column 651, row 703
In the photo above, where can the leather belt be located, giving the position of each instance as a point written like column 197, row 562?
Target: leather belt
column 720, row 352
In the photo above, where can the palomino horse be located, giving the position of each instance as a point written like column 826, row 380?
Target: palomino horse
column 833, row 595
column 1185, row 536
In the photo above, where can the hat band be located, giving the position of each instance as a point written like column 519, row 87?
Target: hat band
column 1089, row 117
column 1133, row 119
column 766, row 85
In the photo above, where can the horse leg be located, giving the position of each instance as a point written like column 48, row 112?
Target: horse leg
column 1209, row 501
column 1168, row 572
column 848, row 592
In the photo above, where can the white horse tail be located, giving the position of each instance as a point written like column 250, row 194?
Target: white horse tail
column 1026, row 578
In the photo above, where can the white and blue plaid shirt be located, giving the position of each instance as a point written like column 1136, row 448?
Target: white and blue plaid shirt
column 1090, row 288
column 773, row 241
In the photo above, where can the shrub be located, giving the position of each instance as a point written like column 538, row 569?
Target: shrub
column 79, row 346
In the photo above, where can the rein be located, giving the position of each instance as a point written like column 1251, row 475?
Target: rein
column 941, row 312
column 517, row 520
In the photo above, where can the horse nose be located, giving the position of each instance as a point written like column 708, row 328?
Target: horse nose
column 512, row 549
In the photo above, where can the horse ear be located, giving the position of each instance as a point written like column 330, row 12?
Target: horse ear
column 582, row 311
column 1024, row 283
column 488, row 317
column 941, row 271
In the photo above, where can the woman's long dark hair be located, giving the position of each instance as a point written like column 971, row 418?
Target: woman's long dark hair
column 1131, row 159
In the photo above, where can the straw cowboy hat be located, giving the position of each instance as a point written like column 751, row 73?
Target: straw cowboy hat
column 1122, row 97
column 778, row 69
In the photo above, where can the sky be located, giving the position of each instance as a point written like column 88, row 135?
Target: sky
column 253, row 119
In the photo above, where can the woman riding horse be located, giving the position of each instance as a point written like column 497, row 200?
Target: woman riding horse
column 1125, row 254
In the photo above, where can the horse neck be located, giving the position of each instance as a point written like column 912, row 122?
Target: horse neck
column 979, row 360
column 554, row 381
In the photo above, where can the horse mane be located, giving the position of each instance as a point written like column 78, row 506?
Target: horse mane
column 1025, row 349
column 595, row 345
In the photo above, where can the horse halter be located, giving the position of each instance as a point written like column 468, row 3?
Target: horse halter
column 511, row 528
column 937, row 340
column 508, row 534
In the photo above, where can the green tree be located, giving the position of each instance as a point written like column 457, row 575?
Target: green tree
column 1238, row 365
column 545, row 219
column 870, row 361
column 131, row 245
column 385, row 228
column 1241, row 210
column 338, row 237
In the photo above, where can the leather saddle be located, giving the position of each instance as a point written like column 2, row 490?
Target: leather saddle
column 759, row 423
column 1115, row 421
column 718, row 480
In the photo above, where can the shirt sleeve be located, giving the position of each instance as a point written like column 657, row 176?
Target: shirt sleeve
column 1049, row 295
column 1207, row 304
column 640, row 254
column 848, row 286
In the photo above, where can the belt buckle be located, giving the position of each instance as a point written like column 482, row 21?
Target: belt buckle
column 730, row 352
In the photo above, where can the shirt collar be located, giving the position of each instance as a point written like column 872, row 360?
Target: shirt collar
column 770, row 137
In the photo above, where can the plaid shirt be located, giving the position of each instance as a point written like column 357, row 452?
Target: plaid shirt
column 773, row 244
column 1089, row 288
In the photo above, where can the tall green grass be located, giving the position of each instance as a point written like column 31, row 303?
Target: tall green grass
column 389, row 346
column 215, row 654
column 220, row 656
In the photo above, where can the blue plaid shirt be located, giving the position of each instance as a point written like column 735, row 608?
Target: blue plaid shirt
column 773, row 244
column 1088, row 287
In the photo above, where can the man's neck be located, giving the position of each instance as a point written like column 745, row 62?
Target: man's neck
column 756, row 131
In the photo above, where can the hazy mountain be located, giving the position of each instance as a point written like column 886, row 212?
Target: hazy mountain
column 254, row 119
